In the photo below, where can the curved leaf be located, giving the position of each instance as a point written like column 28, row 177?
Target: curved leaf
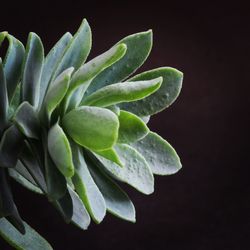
column 60, row 151
column 117, row 201
column 132, row 128
column 30, row 241
column 32, row 69
column 50, row 63
column 92, row 127
column 138, row 48
column 90, row 70
column 122, row 92
column 27, row 121
column 13, row 64
column 3, row 34
column 80, row 216
column 159, row 154
column 136, row 171
column 86, row 187
column 3, row 99
column 111, row 155
column 163, row 97
column 10, row 147
column 24, row 182
column 55, row 93
column 77, row 50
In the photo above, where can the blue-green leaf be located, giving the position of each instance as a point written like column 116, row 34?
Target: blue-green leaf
column 135, row 172
column 30, row 241
column 32, row 69
column 50, row 63
column 117, row 201
column 3, row 99
column 163, row 97
column 138, row 48
column 122, row 92
column 86, row 187
column 159, row 154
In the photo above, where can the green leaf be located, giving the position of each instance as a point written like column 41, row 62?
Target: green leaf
column 10, row 147
column 111, row 155
column 24, row 182
column 90, row 70
column 15, row 101
column 31, row 163
column 117, row 201
column 32, row 69
column 55, row 93
column 138, row 48
column 13, row 64
column 132, row 128
column 60, row 151
column 159, row 154
column 3, row 99
column 3, row 34
column 86, row 187
column 50, row 63
column 163, row 97
column 27, row 121
column 30, row 241
column 145, row 119
column 80, row 216
column 92, row 127
column 77, row 50
column 7, row 206
column 122, row 92
column 136, row 171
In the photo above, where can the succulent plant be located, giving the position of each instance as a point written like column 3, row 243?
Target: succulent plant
column 71, row 130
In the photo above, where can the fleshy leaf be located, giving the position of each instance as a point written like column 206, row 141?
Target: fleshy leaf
column 145, row 119
column 117, row 201
column 24, row 182
column 3, row 99
column 122, row 92
column 7, row 206
column 10, row 147
column 31, row 240
column 3, row 34
column 32, row 69
column 86, row 187
column 159, row 154
column 60, row 151
column 111, row 155
column 90, row 70
column 92, row 127
column 27, row 121
column 50, row 63
column 132, row 128
column 80, row 216
column 13, row 64
column 77, row 50
column 136, row 171
column 163, row 97
column 138, row 48
column 55, row 93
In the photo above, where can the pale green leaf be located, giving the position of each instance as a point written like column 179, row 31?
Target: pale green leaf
column 111, row 155
column 159, row 154
column 30, row 241
column 32, row 69
column 122, row 92
column 163, row 97
column 138, row 48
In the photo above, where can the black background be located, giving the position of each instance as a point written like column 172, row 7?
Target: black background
column 206, row 205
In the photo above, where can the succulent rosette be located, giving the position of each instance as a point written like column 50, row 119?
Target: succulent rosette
column 72, row 130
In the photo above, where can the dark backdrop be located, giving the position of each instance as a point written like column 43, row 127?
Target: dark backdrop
column 206, row 205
